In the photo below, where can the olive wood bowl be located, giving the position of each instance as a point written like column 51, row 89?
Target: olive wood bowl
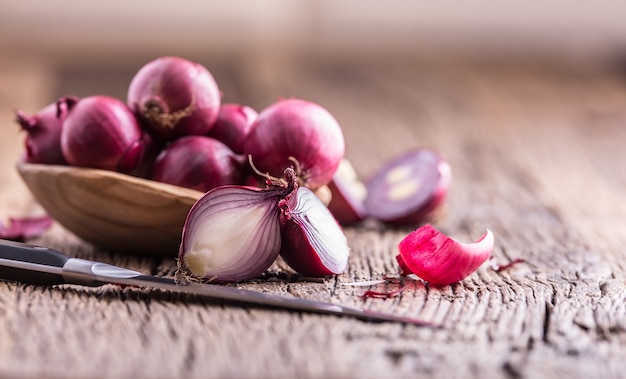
column 115, row 211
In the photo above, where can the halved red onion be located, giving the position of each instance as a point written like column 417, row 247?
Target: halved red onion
column 313, row 242
column 235, row 233
column 101, row 132
column 174, row 97
column 409, row 189
column 43, row 132
column 232, row 233
column 301, row 130
column 233, row 124
column 198, row 162
column 347, row 195
column 440, row 260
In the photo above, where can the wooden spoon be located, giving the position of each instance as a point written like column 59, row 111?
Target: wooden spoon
column 112, row 210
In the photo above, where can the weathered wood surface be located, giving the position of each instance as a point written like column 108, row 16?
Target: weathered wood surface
column 537, row 156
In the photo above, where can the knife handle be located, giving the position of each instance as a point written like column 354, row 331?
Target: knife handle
column 21, row 262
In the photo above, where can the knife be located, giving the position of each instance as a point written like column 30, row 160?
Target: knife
column 25, row 263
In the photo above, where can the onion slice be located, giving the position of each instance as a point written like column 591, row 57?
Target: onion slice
column 409, row 189
column 232, row 233
column 440, row 260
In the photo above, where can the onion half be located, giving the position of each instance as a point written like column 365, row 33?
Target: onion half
column 232, row 233
column 313, row 242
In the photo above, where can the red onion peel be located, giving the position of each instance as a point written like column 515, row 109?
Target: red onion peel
column 101, row 132
column 440, row 260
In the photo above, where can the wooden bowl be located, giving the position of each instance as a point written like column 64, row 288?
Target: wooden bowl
column 115, row 211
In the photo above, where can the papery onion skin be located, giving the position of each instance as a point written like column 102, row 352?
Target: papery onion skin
column 233, row 124
column 313, row 243
column 199, row 163
column 101, row 132
column 299, row 129
column 220, row 215
column 440, row 260
column 43, row 132
column 174, row 97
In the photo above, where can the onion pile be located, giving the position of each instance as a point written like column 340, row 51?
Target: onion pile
column 173, row 128
column 262, row 173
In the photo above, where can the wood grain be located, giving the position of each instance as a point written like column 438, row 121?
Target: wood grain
column 115, row 211
column 536, row 153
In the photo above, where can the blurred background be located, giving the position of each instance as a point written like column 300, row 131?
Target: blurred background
column 76, row 39
column 397, row 62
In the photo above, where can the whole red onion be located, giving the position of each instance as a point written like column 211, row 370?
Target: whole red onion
column 299, row 130
column 101, row 132
column 233, row 123
column 174, row 97
column 198, row 162
column 43, row 132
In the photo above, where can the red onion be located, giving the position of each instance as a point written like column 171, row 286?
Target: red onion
column 234, row 233
column 301, row 130
column 233, row 123
column 43, row 132
column 21, row 229
column 174, row 97
column 198, row 162
column 102, row 132
column 313, row 243
column 348, row 194
column 409, row 189
column 440, row 260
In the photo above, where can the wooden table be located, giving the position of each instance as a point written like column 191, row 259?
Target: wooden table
column 537, row 153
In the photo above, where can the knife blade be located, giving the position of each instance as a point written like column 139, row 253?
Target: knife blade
column 31, row 264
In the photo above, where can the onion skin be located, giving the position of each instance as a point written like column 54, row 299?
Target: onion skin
column 43, row 132
column 440, row 260
column 101, row 132
column 174, row 97
column 219, row 214
column 313, row 243
column 233, row 124
column 299, row 129
column 199, row 163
